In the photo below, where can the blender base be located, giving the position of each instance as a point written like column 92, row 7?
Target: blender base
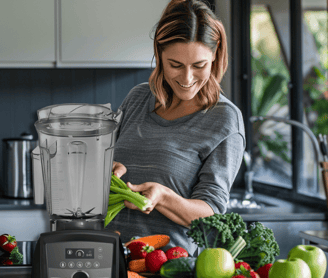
column 79, row 254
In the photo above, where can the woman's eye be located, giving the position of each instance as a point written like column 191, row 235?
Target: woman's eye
column 199, row 66
column 175, row 66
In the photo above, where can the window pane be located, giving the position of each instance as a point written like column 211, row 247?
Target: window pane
column 270, row 77
column 315, row 87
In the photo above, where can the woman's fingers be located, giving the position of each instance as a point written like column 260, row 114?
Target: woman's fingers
column 118, row 169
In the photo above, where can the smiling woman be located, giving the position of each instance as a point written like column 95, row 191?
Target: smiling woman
column 181, row 141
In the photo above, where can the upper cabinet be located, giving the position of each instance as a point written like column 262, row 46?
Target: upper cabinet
column 27, row 33
column 78, row 33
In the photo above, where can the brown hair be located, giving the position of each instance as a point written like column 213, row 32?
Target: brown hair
column 189, row 21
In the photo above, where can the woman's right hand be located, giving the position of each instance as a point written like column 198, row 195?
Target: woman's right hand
column 118, row 169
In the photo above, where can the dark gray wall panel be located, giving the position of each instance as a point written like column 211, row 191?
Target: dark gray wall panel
column 24, row 91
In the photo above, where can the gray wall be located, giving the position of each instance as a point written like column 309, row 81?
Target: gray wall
column 24, row 91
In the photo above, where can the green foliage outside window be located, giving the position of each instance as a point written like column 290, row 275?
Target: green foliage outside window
column 270, row 78
column 317, row 86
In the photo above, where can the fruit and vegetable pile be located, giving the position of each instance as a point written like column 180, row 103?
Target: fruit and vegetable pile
column 9, row 253
column 230, row 250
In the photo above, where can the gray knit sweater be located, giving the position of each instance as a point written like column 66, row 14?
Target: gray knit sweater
column 197, row 156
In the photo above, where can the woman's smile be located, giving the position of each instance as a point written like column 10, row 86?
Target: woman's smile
column 186, row 86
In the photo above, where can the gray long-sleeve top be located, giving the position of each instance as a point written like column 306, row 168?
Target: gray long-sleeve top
column 197, row 156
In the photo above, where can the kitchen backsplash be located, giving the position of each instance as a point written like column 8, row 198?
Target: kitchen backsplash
column 24, row 91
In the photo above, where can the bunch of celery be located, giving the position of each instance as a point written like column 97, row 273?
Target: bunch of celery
column 119, row 192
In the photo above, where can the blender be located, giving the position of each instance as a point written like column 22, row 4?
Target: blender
column 72, row 167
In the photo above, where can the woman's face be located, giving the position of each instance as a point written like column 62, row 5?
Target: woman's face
column 187, row 67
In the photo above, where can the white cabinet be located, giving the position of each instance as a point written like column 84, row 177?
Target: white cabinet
column 78, row 33
column 27, row 32
column 102, row 32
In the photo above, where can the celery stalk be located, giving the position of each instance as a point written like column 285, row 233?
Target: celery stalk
column 237, row 247
column 112, row 211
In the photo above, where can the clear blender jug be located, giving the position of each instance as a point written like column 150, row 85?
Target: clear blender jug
column 75, row 156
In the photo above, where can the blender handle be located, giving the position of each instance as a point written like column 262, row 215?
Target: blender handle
column 37, row 177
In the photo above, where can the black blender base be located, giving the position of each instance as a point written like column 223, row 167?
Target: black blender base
column 79, row 254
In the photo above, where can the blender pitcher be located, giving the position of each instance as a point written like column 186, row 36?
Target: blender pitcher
column 75, row 154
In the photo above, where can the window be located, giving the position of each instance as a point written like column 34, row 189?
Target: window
column 270, row 59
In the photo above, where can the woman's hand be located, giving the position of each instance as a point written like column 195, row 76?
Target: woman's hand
column 118, row 169
column 152, row 190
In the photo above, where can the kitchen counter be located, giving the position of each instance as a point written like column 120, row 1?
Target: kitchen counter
column 7, row 203
column 276, row 209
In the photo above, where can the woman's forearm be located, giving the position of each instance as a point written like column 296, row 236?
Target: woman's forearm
column 180, row 210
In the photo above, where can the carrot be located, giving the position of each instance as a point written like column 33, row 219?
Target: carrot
column 138, row 265
column 132, row 274
column 157, row 241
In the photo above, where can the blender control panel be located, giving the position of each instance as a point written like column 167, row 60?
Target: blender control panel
column 94, row 259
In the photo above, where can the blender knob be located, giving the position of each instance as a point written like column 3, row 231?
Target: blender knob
column 80, row 274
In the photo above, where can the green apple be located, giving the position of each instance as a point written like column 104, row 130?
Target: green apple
column 215, row 263
column 290, row 268
column 313, row 256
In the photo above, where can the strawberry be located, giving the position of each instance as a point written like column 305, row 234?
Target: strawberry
column 7, row 262
column 244, row 264
column 155, row 259
column 176, row 252
column 254, row 274
column 139, row 250
column 263, row 271
column 251, row 274
column 243, row 269
column 7, row 242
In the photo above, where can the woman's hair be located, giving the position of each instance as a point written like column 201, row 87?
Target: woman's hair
column 189, row 21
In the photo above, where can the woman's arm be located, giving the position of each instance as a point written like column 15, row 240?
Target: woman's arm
column 180, row 210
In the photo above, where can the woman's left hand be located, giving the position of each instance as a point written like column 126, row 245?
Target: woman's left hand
column 152, row 190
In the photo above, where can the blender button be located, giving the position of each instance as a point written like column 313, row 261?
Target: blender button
column 62, row 264
column 96, row 264
column 100, row 249
column 79, row 264
column 69, row 252
column 71, row 264
column 100, row 257
column 88, row 264
column 79, row 253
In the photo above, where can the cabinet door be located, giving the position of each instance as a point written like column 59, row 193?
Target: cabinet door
column 112, row 33
column 27, row 31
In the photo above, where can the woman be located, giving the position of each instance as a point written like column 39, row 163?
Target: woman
column 181, row 141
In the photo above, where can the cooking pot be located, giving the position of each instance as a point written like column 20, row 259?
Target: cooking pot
column 17, row 181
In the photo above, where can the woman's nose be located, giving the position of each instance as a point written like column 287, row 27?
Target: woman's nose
column 188, row 76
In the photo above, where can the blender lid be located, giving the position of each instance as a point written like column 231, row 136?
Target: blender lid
column 78, row 120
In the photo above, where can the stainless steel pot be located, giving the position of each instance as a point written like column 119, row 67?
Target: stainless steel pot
column 17, row 182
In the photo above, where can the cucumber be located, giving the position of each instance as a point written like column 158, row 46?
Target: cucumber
column 183, row 267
